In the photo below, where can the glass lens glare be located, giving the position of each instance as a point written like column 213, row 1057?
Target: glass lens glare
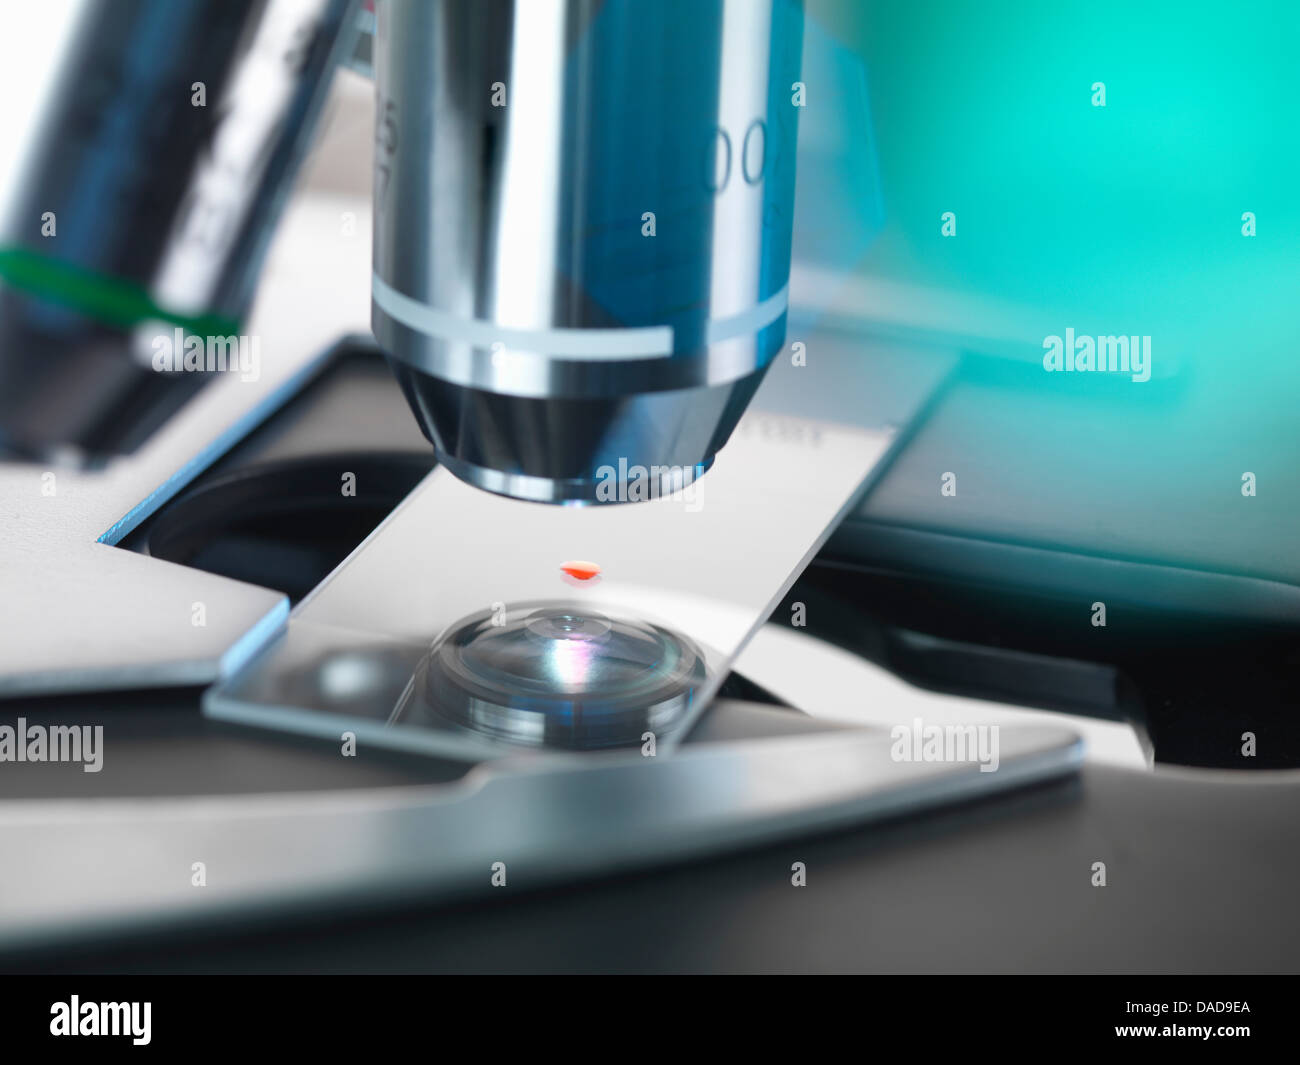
column 561, row 674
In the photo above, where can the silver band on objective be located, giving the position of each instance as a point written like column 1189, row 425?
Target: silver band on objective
column 638, row 342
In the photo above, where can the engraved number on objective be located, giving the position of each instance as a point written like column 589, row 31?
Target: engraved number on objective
column 385, row 145
column 718, row 162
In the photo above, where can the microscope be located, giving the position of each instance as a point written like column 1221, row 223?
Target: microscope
column 580, row 277
column 582, row 221
column 583, row 216
column 582, row 227
column 441, row 441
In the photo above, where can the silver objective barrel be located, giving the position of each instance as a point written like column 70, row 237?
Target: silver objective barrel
column 582, row 232
column 159, row 141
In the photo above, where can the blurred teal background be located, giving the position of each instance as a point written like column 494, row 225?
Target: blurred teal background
column 1118, row 219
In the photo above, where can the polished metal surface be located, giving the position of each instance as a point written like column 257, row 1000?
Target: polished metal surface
column 137, row 198
column 583, row 217
column 81, row 614
column 72, row 871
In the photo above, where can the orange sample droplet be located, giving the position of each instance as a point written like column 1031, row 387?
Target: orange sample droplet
column 582, row 571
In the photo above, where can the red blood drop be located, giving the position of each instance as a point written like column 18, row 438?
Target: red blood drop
column 582, row 571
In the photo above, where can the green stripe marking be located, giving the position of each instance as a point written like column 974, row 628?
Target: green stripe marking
column 106, row 299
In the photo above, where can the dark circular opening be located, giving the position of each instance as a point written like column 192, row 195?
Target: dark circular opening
column 285, row 524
